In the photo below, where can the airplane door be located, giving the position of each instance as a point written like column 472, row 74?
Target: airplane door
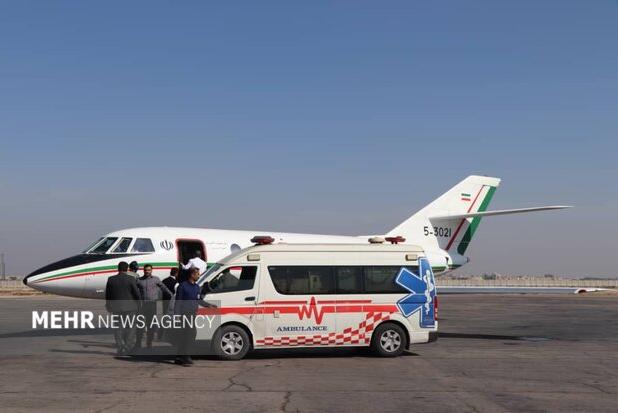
column 186, row 250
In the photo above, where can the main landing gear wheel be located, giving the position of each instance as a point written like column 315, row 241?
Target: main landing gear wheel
column 388, row 340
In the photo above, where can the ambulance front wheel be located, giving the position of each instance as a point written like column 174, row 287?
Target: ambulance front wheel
column 389, row 340
column 231, row 342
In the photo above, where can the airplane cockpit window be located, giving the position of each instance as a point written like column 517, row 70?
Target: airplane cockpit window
column 103, row 246
column 122, row 246
column 143, row 245
column 92, row 245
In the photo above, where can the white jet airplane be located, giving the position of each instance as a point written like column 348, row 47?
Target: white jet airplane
column 444, row 229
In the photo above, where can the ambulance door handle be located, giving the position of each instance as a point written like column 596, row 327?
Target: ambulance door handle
column 249, row 298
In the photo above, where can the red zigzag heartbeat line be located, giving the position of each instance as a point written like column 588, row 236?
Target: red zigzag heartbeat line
column 303, row 310
column 307, row 311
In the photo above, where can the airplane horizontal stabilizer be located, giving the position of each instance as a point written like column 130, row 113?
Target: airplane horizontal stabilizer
column 498, row 212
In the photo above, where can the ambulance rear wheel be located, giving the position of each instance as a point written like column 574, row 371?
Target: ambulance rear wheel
column 389, row 340
column 231, row 342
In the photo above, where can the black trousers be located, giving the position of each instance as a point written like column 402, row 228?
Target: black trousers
column 166, row 306
column 124, row 336
column 149, row 311
column 185, row 341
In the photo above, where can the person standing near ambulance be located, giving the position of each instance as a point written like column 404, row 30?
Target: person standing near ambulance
column 170, row 282
column 133, row 269
column 150, row 287
column 185, row 305
column 123, row 299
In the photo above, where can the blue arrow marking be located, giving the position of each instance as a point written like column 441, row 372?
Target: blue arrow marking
column 422, row 293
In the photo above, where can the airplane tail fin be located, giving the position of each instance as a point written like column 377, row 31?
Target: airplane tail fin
column 449, row 222
column 441, row 223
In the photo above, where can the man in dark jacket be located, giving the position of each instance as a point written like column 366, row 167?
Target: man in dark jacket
column 187, row 297
column 170, row 282
column 123, row 299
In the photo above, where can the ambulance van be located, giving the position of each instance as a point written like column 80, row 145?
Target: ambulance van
column 319, row 295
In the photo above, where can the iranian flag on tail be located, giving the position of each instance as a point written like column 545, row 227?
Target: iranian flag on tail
column 465, row 197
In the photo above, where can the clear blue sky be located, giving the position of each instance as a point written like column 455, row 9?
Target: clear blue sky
column 325, row 117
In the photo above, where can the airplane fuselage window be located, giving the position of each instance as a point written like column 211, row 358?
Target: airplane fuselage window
column 103, row 246
column 143, row 245
column 123, row 245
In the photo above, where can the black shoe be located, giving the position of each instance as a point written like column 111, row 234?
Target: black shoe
column 188, row 360
column 179, row 361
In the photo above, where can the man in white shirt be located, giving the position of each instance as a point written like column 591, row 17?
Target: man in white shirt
column 195, row 262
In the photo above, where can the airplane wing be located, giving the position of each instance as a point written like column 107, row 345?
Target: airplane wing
column 517, row 290
column 499, row 212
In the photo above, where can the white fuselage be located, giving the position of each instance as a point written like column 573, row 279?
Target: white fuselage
column 85, row 275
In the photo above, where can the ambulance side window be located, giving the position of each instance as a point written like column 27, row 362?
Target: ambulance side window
column 279, row 277
column 321, row 280
column 381, row 279
column 349, row 280
column 234, row 279
column 303, row 280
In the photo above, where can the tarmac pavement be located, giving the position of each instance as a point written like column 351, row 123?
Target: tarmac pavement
column 532, row 353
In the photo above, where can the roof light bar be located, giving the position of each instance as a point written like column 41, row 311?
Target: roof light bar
column 262, row 240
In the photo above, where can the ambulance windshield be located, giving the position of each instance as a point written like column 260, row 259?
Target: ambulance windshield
column 210, row 271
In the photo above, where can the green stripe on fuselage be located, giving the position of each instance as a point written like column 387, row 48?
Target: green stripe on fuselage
column 106, row 267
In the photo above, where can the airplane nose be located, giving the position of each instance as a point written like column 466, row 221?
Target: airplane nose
column 31, row 279
column 64, row 277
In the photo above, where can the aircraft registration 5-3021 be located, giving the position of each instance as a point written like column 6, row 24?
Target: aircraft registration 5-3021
column 443, row 229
